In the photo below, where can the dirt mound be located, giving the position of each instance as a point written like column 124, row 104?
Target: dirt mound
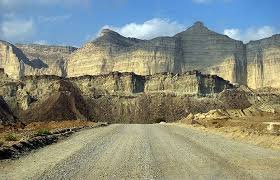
column 6, row 115
column 59, row 106
column 234, row 99
column 215, row 118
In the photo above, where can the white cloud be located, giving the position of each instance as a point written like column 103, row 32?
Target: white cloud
column 250, row 33
column 16, row 29
column 263, row 32
column 149, row 29
column 54, row 18
column 233, row 33
column 41, row 42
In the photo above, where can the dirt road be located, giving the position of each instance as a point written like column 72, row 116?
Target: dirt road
column 145, row 152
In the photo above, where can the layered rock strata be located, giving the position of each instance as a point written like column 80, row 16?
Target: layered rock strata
column 21, row 60
column 114, row 97
column 196, row 48
column 46, row 60
column 263, row 58
column 255, row 64
column 128, row 84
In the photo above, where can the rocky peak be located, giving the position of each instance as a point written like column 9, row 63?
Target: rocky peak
column 108, row 37
column 198, row 24
column 109, row 32
column 197, row 28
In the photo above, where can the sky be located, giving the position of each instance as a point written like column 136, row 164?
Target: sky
column 75, row 22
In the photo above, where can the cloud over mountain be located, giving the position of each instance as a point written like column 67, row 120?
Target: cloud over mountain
column 252, row 33
column 17, row 29
column 149, row 29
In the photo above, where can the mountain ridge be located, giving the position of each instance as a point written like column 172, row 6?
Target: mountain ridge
column 196, row 48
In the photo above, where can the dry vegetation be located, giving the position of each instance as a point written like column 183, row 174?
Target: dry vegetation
column 11, row 136
column 246, row 129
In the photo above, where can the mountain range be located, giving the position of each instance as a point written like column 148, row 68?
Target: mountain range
column 255, row 64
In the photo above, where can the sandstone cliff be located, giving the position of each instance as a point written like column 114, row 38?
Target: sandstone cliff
column 130, row 84
column 264, row 62
column 196, row 48
column 46, row 60
column 12, row 60
column 255, row 64
column 212, row 53
column 22, row 60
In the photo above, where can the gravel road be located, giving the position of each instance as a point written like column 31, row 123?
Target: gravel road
column 158, row 151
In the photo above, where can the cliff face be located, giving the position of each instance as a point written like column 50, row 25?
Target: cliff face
column 46, row 60
column 114, row 83
column 6, row 115
column 21, row 60
column 130, row 84
column 113, row 52
column 212, row 53
column 255, row 64
column 120, row 97
column 264, row 62
column 196, row 48
column 12, row 60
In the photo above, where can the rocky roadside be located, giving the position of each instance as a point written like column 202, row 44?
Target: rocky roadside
column 23, row 147
column 241, row 134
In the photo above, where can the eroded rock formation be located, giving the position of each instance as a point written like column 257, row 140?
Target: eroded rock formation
column 196, row 48
column 21, row 60
column 6, row 115
column 129, row 84
column 264, row 62
column 255, row 64
column 46, row 60
column 114, row 97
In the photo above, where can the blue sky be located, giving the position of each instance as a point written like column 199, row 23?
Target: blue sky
column 74, row 22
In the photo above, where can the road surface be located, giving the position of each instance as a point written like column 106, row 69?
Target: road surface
column 158, row 151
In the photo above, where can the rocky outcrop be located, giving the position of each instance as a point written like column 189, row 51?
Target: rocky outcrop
column 202, row 49
column 6, row 115
column 46, row 60
column 21, row 60
column 114, row 83
column 12, row 60
column 196, row 48
column 129, row 84
column 115, row 97
column 188, row 83
column 264, row 62
column 10, row 90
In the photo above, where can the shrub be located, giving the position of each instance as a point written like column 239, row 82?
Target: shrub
column 159, row 120
column 1, row 143
column 43, row 132
column 11, row 137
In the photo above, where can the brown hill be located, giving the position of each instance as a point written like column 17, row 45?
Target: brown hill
column 6, row 115
column 63, row 105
